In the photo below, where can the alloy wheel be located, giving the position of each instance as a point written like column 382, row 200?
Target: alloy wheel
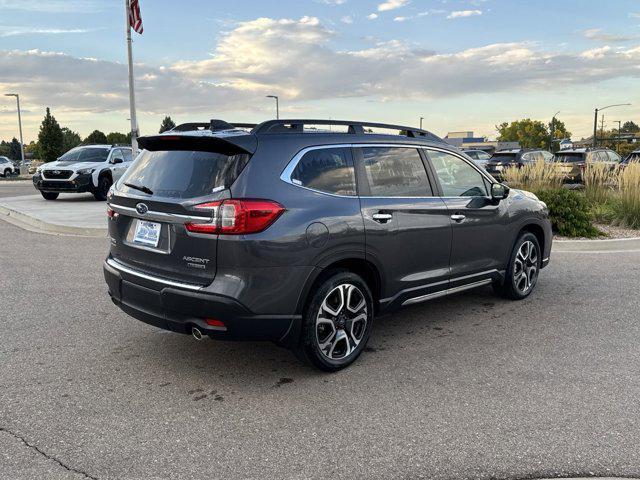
column 525, row 270
column 341, row 322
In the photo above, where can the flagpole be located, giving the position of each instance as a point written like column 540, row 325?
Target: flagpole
column 132, row 95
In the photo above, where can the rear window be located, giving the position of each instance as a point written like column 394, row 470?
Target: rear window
column 569, row 157
column 503, row 158
column 183, row 174
column 395, row 172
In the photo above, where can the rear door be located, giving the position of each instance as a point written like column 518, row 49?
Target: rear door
column 118, row 166
column 480, row 240
column 407, row 228
column 160, row 193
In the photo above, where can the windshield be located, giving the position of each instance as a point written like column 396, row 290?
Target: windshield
column 569, row 157
column 182, row 174
column 85, row 154
column 503, row 158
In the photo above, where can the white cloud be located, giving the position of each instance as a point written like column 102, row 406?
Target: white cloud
column 401, row 19
column 334, row 2
column 348, row 19
column 10, row 31
column 372, row 16
column 634, row 15
column 392, row 5
column 599, row 35
column 249, row 62
column 464, row 13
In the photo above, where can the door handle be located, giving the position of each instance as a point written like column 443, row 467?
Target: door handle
column 382, row 217
column 458, row 217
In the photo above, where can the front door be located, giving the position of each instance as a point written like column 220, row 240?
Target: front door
column 407, row 227
column 480, row 240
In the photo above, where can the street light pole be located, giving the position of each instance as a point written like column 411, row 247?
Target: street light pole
column 595, row 120
column 277, row 105
column 553, row 130
column 22, row 164
column 421, row 119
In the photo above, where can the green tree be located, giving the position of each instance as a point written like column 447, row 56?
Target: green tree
column 14, row 149
column 5, row 149
column 50, row 138
column 95, row 137
column 630, row 127
column 530, row 133
column 167, row 124
column 70, row 139
column 119, row 138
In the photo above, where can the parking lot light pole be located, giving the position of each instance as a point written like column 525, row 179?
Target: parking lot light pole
column 595, row 120
column 277, row 105
column 421, row 119
column 552, row 130
column 22, row 164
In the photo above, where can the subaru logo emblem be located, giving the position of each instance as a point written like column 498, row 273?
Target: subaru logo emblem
column 141, row 208
column 56, row 172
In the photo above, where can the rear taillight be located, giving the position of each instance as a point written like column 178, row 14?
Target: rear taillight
column 237, row 217
column 582, row 166
column 111, row 213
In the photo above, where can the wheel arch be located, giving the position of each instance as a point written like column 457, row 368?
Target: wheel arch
column 537, row 231
column 358, row 265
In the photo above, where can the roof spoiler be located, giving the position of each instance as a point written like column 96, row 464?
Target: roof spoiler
column 227, row 145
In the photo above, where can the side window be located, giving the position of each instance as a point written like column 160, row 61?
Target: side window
column 614, row 157
column 127, row 155
column 548, row 156
column 395, row 172
column 117, row 154
column 328, row 170
column 527, row 157
column 483, row 156
column 457, row 177
column 473, row 155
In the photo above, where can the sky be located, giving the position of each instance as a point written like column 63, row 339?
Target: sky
column 463, row 65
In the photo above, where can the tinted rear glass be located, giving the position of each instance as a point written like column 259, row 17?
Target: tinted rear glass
column 183, row 174
column 503, row 158
column 327, row 170
column 396, row 172
column 569, row 157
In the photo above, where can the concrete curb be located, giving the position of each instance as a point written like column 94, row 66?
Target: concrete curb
column 35, row 225
column 609, row 245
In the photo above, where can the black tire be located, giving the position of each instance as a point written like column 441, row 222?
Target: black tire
column 7, row 172
column 522, row 273
column 343, row 338
column 104, row 184
column 50, row 195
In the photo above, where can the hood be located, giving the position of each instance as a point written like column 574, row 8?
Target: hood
column 70, row 165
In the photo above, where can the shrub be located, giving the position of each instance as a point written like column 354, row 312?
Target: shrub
column 599, row 182
column 569, row 212
column 628, row 204
column 533, row 177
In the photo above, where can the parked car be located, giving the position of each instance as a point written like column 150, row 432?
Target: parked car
column 304, row 238
column 480, row 157
column 7, row 168
column 632, row 158
column 503, row 159
column 572, row 162
column 89, row 168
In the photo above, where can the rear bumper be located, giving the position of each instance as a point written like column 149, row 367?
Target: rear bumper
column 81, row 184
column 170, row 307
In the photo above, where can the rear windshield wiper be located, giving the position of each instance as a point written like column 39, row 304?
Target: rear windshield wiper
column 142, row 188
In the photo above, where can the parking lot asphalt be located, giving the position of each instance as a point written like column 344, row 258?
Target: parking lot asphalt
column 15, row 188
column 469, row 386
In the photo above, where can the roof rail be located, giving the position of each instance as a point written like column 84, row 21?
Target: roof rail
column 357, row 128
column 213, row 125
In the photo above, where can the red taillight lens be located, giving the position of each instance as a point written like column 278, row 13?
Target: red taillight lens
column 237, row 217
column 212, row 322
column 111, row 213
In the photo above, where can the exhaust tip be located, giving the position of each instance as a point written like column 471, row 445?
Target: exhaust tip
column 197, row 334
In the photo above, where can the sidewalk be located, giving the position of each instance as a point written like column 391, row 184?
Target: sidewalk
column 70, row 214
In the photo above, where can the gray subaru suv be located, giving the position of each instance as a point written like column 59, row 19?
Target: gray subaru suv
column 302, row 232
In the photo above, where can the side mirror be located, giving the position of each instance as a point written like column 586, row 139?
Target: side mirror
column 499, row 191
column 115, row 161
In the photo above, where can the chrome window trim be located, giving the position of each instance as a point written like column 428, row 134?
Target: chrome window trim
column 159, row 216
column 118, row 266
column 285, row 176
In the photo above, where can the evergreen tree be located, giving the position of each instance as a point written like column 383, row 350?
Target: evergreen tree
column 50, row 138
column 167, row 124
column 14, row 149
column 70, row 139
column 95, row 137
column 118, row 138
column 630, row 127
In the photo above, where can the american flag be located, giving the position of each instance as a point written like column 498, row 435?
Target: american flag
column 135, row 20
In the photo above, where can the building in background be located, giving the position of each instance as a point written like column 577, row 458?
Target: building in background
column 466, row 140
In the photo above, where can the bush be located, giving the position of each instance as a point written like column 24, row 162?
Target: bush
column 533, row 176
column 569, row 212
column 628, row 205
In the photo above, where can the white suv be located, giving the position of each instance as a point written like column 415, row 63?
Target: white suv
column 90, row 168
column 7, row 167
